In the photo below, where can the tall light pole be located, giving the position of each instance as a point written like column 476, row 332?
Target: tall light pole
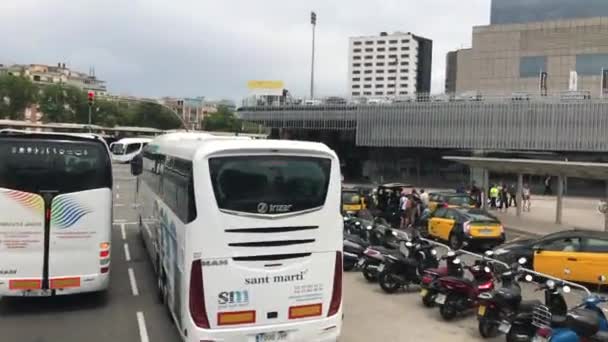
column 313, row 21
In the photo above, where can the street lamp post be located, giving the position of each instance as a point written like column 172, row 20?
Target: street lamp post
column 313, row 21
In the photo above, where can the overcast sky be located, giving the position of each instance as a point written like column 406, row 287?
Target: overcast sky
column 212, row 47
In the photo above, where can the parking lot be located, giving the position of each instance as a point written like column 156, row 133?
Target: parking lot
column 131, row 312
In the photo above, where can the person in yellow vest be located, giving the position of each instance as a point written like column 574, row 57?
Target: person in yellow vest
column 493, row 196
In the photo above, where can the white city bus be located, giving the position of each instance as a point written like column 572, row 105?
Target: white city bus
column 125, row 149
column 56, row 217
column 245, row 236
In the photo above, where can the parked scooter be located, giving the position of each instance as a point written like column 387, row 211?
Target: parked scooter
column 407, row 267
column 504, row 311
column 584, row 323
column 429, row 284
column 385, row 241
column 353, row 249
column 457, row 294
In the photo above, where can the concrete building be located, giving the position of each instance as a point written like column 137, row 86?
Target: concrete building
column 389, row 65
column 527, row 11
column 60, row 74
column 458, row 60
column 536, row 47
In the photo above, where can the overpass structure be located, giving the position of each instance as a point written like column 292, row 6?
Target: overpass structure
column 533, row 125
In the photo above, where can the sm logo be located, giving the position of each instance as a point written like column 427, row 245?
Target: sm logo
column 233, row 298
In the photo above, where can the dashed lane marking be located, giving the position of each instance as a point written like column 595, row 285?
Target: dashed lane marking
column 123, row 232
column 133, row 282
column 127, row 252
column 141, row 323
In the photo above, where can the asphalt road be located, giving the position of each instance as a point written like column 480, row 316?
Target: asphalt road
column 130, row 311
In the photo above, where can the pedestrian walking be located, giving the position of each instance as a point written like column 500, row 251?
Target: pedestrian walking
column 402, row 210
column 512, row 196
column 424, row 198
column 476, row 195
column 504, row 197
column 493, row 196
column 526, row 197
column 548, row 190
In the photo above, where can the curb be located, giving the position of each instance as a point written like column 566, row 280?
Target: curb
column 521, row 231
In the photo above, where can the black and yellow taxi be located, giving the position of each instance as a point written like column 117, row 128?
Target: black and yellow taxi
column 577, row 255
column 352, row 201
column 458, row 225
column 450, row 200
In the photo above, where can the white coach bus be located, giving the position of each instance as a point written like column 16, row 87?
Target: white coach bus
column 125, row 149
column 245, row 236
column 56, row 213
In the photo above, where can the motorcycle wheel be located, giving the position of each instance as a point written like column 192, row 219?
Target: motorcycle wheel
column 428, row 300
column 515, row 333
column 488, row 328
column 448, row 309
column 348, row 266
column 387, row 283
column 369, row 275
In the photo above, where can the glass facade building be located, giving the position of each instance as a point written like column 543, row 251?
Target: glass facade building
column 526, row 11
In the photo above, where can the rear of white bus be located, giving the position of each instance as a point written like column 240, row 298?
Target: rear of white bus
column 55, row 223
column 267, row 246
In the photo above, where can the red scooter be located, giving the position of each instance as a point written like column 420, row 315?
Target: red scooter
column 429, row 286
column 457, row 294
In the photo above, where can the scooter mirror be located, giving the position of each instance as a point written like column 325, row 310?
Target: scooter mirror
column 522, row 261
column 566, row 289
column 528, row 278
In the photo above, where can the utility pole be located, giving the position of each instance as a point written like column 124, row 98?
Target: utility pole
column 313, row 21
column 91, row 99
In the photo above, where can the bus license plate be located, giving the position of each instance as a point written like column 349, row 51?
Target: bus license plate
column 271, row 336
column 440, row 299
column 36, row 293
column 381, row 268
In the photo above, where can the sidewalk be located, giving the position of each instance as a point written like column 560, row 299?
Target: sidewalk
column 577, row 213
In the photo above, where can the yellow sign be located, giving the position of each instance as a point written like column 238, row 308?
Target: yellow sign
column 265, row 85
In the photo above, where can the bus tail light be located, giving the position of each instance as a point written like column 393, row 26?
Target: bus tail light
column 303, row 311
column 198, row 311
column 236, row 317
column 336, row 296
column 104, row 254
column 104, row 257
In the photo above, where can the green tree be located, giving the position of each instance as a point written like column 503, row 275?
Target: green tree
column 16, row 93
column 223, row 120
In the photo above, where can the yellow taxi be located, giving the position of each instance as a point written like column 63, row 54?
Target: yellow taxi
column 450, row 200
column 458, row 225
column 352, row 201
column 577, row 255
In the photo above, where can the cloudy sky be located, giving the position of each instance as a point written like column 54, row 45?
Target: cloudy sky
column 212, row 47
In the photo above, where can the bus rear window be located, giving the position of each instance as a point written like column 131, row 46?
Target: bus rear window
column 32, row 165
column 269, row 184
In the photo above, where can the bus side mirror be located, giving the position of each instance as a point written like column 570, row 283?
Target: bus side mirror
column 137, row 165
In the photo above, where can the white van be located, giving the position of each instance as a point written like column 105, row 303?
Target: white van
column 245, row 236
column 125, row 149
column 56, row 217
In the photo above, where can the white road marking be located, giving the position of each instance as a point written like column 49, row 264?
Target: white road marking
column 118, row 205
column 134, row 289
column 147, row 228
column 141, row 322
column 123, row 232
column 127, row 253
column 117, row 186
column 119, row 221
column 117, row 196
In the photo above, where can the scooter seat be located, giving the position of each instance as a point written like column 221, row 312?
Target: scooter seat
column 558, row 321
column 601, row 336
column 529, row 305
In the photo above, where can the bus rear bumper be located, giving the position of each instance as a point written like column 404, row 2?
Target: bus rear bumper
column 325, row 330
column 74, row 284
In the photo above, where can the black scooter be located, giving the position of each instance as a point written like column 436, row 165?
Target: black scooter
column 408, row 266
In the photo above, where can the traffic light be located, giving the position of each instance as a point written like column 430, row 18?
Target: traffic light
column 91, row 97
